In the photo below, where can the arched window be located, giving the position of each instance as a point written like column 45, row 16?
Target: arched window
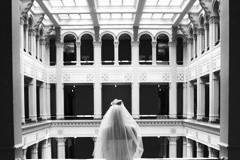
column 86, row 49
column 52, row 50
column 145, row 49
column 69, row 57
column 107, row 49
column 162, row 49
column 217, row 24
column 179, row 50
column 191, row 47
column 124, row 49
column 30, row 35
column 202, row 35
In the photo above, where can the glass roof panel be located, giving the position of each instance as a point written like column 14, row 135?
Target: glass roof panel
column 85, row 16
column 116, row 15
column 68, row 2
column 128, row 2
column 56, row 3
column 146, row 15
column 168, row 16
column 81, row 2
column 151, row 2
column 63, row 16
column 103, row 2
column 127, row 15
column 176, row 2
column 157, row 15
column 116, row 2
column 163, row 2
column 105, row 16
column 74, row 16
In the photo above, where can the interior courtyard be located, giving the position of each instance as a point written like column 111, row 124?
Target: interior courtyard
column 165, row 59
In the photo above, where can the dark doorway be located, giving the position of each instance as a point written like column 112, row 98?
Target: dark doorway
column 145, row 49
column 107, row 49
column 116, row 91
column 124, row 49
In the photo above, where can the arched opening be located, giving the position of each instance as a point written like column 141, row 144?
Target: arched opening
column 162, row 49
column 191, row 47
column 124, row 49
column 69, row 51
column 217, row 22
column 202, row 35
column 179, row 50
column 30, row 21
column 86, row 49
column 52, row 51
column 107, row 49
column 145, row 49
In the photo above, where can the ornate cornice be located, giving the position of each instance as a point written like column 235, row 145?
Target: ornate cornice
column 37, row 20
column 25, row 6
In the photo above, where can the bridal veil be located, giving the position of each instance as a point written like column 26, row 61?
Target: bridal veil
column 119, row 136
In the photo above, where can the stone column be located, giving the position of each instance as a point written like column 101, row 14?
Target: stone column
column 212, row 32
column 200, row 99
column 78, row 55
column 97, row 100
column 190, row 106
column 202, row 46
column 59, row 85
column 189, row 148
column 154, row 53
column 199, row 36
column 184, row 154
column 172, row 147
column 206, row 30
column 33, row 100
column 213, row 97
column 48, row 100
column 49, row 149
column 29, row 40
column 34, row 44
column 47, row 53
column 135, row 53
column 199, row 150
column 21, row 26
column 135, row 99
column 194, row 45
column 185, row 103
column 44, row 149
column 22, row 83
column 216, row 22
column 24, row 153
column 43, row 107
column 116, row 54
column 189, row 49
column 61, row 148
column 97, row 54
column 173, row 84
column 34, row 151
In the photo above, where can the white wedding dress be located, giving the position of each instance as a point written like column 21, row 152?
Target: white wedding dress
column 119, row 135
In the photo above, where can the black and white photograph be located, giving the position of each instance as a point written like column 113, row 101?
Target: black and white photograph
column 120, row 80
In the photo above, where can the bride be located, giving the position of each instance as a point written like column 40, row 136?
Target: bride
column 119, row 135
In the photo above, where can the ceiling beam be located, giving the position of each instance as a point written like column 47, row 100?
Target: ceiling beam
column 47, row 12
column 139, row 12
column 185, row 10
column 93, row 12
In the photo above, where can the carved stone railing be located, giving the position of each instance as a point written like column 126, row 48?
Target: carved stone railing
column 199, row 131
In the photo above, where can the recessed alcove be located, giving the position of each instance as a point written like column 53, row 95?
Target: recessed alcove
column 86, row 49
column 69, row 50
column 78, row 101
column 107, row 49
column 145, row 49
column 124, row 49
column 154, row 100
column 162, row 49
column 116, row 91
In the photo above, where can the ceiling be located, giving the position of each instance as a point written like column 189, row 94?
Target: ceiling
column 115, row 13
